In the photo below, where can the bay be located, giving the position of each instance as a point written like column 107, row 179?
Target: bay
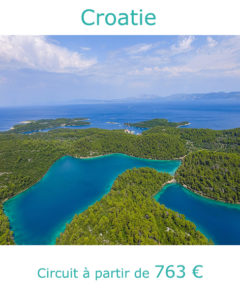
column 216, row 220
column 39, row 214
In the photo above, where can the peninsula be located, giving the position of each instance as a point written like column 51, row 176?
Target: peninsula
column 210, row 158
column 129, row 215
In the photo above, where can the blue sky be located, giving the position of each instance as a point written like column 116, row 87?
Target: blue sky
column 60, row 69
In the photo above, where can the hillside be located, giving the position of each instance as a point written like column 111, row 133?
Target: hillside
column 213, row 174
column 129, row 215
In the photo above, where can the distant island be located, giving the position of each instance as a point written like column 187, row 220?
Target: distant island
column 157, row 122
column 43, row 124
column 210, row 159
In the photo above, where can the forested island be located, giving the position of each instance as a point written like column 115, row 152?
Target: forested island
column 38, row 125
column 157, row 122
column 129, row 215
column 24, row 158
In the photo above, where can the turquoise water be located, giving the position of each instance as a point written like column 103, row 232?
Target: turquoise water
column 218, row 221
column 38, row 215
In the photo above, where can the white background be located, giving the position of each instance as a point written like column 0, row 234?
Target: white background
column 173, row 16
column 19, row 264
column 19, row 267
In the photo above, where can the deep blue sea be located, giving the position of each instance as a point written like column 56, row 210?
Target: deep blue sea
column 199, row 114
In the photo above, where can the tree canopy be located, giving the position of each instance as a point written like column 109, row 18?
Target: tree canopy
column 25, row 158
column 213, row 174
column 129, row 215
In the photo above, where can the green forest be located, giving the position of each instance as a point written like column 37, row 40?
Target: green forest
column 25, row 158
column 6, row 236
column 30, row 126
column 196, row 139
column 213, row 174
column 129, row 215
column 156, row 122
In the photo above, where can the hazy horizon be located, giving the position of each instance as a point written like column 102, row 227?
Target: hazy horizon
column 233, row 96
column 62, row 70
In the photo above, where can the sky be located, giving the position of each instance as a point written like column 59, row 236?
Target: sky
column 49, row 70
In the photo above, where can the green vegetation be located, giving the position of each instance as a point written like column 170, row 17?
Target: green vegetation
column 6, row 237
column 196, row 139
column 156, row 122
column 213, row 174
column 24, row 159
column 30, row 126
column 129, row 215
column 155, row 146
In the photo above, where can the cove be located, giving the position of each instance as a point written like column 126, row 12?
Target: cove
column 216, row 220
column 71, row 185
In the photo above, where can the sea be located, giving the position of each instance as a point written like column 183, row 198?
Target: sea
column 114, row 115
column 54, row 209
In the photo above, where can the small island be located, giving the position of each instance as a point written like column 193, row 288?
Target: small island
column 157, row 122
column 43, row 124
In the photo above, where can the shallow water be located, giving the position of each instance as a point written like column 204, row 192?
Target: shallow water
column 218, row 221
column 38, row 215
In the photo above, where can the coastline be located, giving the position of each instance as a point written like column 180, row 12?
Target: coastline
column 24, row 190
column 173, row 180
column 147, row 128
column 197, row 192
column 21, row 122
column 181, row 126
column 26, row 122
column 50, row 128
column 14, row 197
column 81, row 157
column 205, row 196
column 97, row 156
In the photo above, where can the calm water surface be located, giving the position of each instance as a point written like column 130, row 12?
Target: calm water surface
column 202, row 114
column 218, row 221
column 39, row 214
